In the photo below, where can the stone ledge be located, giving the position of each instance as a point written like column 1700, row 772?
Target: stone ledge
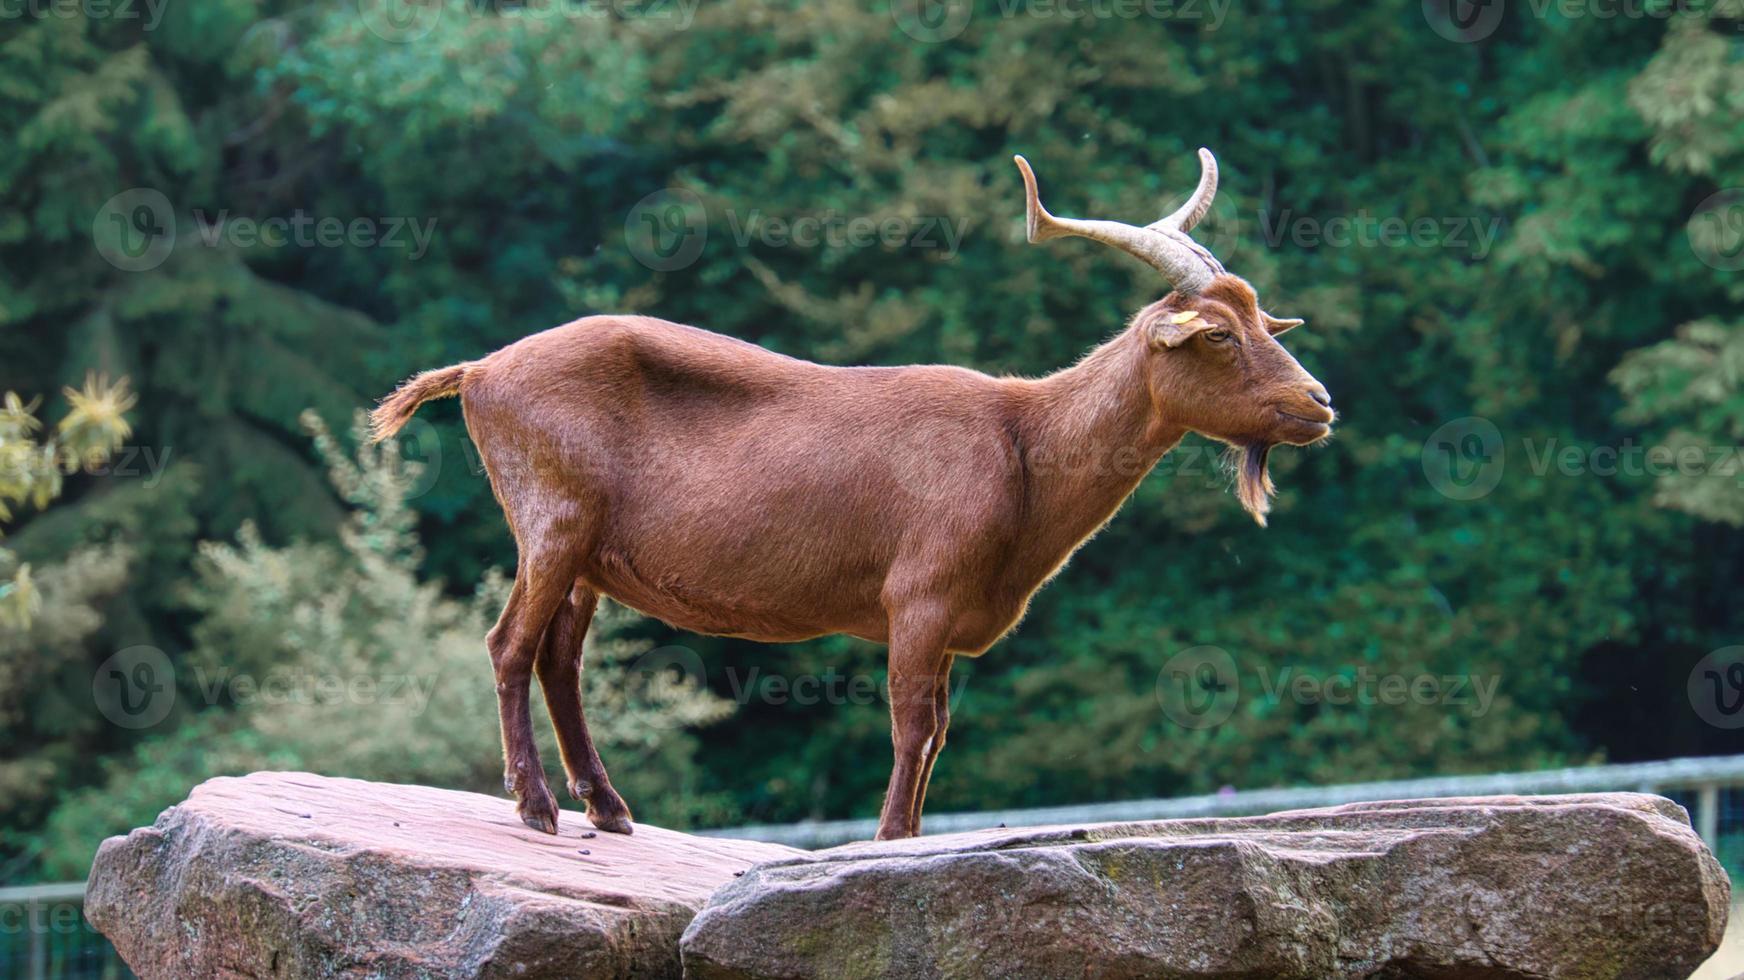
column 1605, row 886
column 297, row 875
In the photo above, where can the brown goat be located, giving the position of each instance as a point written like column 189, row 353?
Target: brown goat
column 727, row 489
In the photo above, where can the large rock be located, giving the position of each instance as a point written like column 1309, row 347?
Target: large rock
column 294, row 875
column 1612, row 886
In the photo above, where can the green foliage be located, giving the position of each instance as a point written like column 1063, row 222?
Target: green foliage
column 32, row 468
column 1693, row 387
column 1692, row 91
column 1603, row 154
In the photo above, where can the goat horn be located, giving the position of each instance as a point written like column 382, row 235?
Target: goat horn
column 1188, row 215
column 1163, row 245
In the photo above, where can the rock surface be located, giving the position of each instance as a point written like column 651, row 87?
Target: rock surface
column 1591, row 887
column 296, row 875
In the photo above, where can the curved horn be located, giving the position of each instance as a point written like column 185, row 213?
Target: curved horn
column 1163, row 245
column 1190, row 214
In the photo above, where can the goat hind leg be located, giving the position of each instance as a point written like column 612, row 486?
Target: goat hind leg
column 514, row 643
column 559, row 666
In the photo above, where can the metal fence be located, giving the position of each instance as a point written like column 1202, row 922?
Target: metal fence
column 44, row 935
column 1711, row 789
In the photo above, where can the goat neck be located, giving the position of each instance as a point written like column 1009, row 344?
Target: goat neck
column 1089, row 435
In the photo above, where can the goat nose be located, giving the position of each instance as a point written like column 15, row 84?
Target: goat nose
column 1318, row 392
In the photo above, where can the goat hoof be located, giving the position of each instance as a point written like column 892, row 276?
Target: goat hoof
column 544, row 823
column 609, row 812
column 539, row 810
column 614, row 824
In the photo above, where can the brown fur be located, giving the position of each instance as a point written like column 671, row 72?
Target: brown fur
column 730, row 490
column 397, row 409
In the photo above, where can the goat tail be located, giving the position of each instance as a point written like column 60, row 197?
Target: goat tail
column 397, row 409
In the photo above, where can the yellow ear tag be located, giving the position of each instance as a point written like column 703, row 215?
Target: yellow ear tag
column 1184, row 316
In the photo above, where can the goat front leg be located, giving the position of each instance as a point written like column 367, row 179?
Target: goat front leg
column 918, row 661
column 559, row 667
column 941, row 722
column 514, row 642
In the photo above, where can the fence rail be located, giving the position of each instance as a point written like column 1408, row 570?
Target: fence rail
column 1710, row 788
column 43, row 934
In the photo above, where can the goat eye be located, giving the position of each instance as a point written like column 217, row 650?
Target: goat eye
column 1217, row 336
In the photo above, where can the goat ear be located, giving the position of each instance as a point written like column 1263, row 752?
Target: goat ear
column 1175, row 329
column 1275, row 326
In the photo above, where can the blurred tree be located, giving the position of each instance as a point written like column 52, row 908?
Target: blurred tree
column 1576, row 291
column 32, row 469
column 1695, row 384
column 45, row 617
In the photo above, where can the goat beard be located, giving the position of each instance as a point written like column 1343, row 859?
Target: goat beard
column 1253, row 485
